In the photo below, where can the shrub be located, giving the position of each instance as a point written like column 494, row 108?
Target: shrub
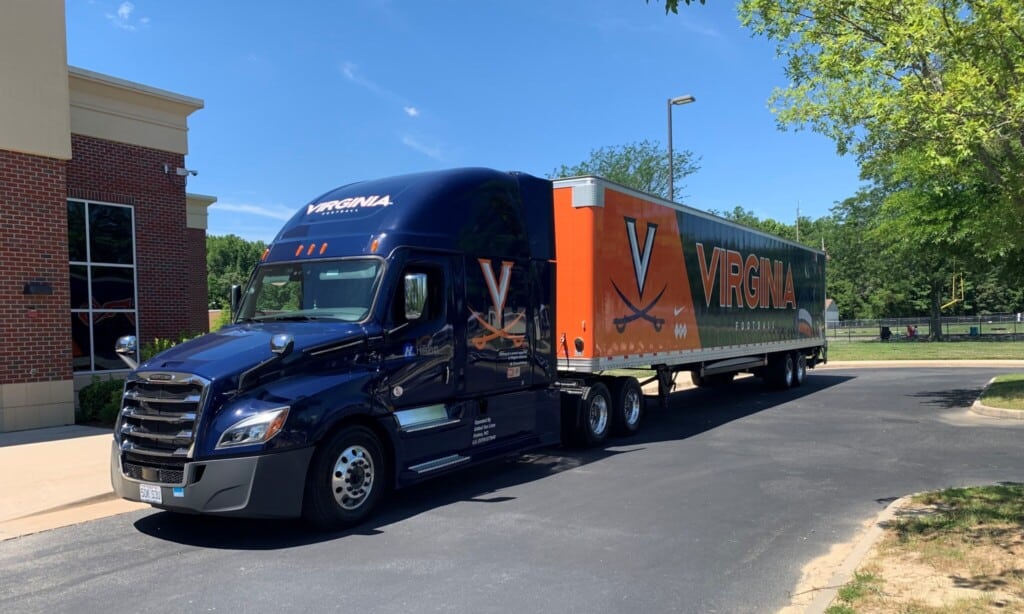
column 101, row 400
column 222, row 320
column 158, row 345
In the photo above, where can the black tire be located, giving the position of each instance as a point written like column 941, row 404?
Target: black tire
column 799, row 369
column 627, row 405
column 595, row 418
column 346, row 479
column 779, row 374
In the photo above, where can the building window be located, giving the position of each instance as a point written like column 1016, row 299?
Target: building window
column 101, row 254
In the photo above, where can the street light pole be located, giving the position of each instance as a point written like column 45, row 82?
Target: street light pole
column 678, row 100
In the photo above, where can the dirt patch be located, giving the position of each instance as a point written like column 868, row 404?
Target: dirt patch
column 815, row 576
column 936, row 559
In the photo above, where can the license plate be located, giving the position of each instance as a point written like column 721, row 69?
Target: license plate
column 150, row 493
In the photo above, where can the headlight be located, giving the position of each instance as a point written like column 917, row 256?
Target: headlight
column 257, row 428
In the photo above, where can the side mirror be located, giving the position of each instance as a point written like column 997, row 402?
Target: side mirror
column 236, row 299
column 415, row 295
column 127, row 348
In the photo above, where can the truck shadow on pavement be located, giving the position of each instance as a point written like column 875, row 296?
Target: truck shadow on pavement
column 690, row 413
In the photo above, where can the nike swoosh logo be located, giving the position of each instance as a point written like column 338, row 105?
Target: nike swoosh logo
column 678, row 310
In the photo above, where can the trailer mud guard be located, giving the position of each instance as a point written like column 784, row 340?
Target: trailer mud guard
column 666, row 384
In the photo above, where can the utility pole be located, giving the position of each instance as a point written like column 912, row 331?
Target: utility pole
column 798, row 221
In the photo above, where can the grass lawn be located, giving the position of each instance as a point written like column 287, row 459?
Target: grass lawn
column 927, row 350
column 955, row 551
column 1007, row 391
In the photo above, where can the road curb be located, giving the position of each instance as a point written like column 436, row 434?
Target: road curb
column 853, row 560
column 995, row 412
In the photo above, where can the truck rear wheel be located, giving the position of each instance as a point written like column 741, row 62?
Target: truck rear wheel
column 346, row 479
column 799, row 369
column 595, row 415
column 628, row 406
column 779, row 373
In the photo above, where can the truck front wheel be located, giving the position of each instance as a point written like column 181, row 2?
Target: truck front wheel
column 346, row 479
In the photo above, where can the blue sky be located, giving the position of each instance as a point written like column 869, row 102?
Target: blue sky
column 305, row 96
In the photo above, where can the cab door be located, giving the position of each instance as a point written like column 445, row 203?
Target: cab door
column 420, row 343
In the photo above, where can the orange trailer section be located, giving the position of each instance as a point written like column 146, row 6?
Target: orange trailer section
column 635, row 288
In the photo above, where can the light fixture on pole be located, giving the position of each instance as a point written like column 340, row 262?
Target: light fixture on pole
column 678, row 100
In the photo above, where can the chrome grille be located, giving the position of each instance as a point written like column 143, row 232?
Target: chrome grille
column 157, row 426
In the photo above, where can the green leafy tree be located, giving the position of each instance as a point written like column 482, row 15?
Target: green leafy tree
column 672, row 6
column 941, row 78
column 641, row 165
column 229, row 260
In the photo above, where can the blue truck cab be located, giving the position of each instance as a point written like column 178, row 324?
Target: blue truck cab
column 393, row 330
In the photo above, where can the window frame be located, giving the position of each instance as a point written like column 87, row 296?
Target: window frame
column 89, row 265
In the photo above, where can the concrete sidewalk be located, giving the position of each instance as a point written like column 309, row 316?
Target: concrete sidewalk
column 55, row 477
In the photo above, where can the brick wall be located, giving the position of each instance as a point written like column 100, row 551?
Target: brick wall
column 172, row 297
column 195, row 239
column 35, row 329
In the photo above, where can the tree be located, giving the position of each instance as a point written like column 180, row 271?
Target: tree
column 640, row 165
column 672, row 6
column 229, row 260
column 940, row 78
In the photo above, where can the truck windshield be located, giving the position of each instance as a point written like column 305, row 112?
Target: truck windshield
column 334, row 290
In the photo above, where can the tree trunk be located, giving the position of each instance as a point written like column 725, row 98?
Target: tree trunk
column 935, row 319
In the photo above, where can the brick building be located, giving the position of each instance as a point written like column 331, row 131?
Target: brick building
column 98, row 237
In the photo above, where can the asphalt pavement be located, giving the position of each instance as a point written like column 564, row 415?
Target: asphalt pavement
column 714, row 507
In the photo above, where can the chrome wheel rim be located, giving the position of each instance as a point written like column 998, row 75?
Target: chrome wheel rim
column 352, row 479
column 631, row 410
column 598, row 415
column 789, row 371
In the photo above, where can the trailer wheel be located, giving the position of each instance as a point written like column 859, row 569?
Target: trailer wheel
column 346, row 479
column 799, row 369
column 595, row 415
column 629, row 405
column 779, row 373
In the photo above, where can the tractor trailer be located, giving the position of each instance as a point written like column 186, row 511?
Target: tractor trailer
column 402, row 328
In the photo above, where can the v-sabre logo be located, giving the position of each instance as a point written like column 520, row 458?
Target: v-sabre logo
column 349, row 204
column 499, row 295
column 641, row 264
column 752, row 281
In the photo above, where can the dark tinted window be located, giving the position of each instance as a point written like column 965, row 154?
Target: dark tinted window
column 76, row 231
column 106, row 328
column 80, row 348
column 110, row 234
column 79, row 287
column 113, row 287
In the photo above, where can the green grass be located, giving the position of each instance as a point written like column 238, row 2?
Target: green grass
column 1007, row 391
column 862, row 585
column 927, row 350
column 962, row 509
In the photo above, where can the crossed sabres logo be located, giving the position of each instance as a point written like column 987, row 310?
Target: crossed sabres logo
column 641, row 264
column 499, row 294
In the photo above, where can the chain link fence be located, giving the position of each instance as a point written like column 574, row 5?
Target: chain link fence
column 993, row 327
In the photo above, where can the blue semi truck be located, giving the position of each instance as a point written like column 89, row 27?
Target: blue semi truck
column 401, row 328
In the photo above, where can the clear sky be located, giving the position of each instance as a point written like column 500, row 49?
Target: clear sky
column 302, row 96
